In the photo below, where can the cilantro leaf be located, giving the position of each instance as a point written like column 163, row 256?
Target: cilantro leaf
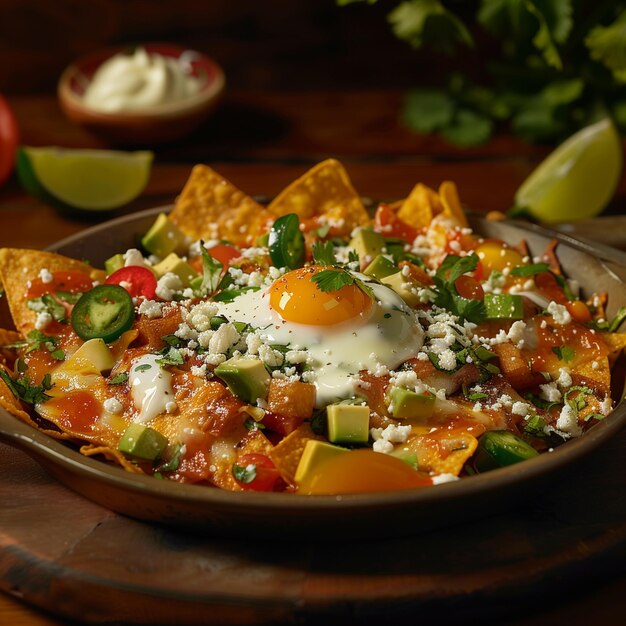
column 428, row 21
column 24, row 390
column 211, row 272
column 564, row 353
column 530, row 270
column 324, row 253
column 119, row 379
column 332, row 279
column 535, row 426
column 244, row 474
column 48, row 304
column 427, row 110
column 468, row 128
column 607, row 44
column 455, row 266
column 171, row 356
column 613, row 325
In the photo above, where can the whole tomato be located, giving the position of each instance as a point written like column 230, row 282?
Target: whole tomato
column 9, row 139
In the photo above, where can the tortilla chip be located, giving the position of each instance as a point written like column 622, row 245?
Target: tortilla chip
column 210, row 207
column 616, row 343
column 286, row 455
column 254, row 441
column 325, row 190
column 111, row 454
column 442, row 451
column 451, row 203
column 7, row 338
column 10, row 403
column 420, row 207
column 598, row 377
column 19, row 266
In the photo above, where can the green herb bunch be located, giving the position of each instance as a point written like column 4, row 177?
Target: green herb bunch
column 562, row 65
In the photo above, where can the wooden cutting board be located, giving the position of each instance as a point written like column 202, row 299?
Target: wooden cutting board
column 79, row 560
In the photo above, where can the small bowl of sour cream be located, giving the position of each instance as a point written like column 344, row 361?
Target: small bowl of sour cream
column 149, row 94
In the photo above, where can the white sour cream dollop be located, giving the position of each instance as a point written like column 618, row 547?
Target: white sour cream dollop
column 140, row 81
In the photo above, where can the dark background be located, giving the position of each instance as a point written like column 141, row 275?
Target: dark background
column 268, row 44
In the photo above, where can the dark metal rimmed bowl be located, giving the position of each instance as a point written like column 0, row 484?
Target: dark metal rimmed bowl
column 595, row 267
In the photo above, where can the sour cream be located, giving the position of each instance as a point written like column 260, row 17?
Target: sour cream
column 140, row 81
column 150, row 387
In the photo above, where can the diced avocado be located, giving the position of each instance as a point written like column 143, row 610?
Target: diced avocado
column 93, row 354
column 504, row 306
column 163, row 237
column 315, row 453
column 348, row 423
column 173, row 263
column 116, row 262
column 499, row 448
column 380, row 267
column 246, row 378
column 142, row 442
column 404, row 286
column 367, row 243
column 409, row 404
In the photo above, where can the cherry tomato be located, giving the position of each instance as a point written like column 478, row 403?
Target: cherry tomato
column 579, row 311
column 255, row 472
column 70, row 281
column 138, row 281
column 224, row 253
column 496, row 255
column 390, row 225
column 362, row 471
column 9, row 139
column 468, row 287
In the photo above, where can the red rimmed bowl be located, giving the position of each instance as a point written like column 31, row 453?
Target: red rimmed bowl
column 166, row 122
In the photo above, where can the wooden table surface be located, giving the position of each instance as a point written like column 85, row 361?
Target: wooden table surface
column 262, row 141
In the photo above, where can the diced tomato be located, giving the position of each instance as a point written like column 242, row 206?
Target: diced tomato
column 262, row 474
column 138, row 281
column 390, row 225
column 281, row 424
column 468, row 287
column 9, row 139
column 70, row 281
column 224, row 253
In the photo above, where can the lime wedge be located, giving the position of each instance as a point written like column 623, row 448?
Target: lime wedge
column 578, row 179
column 88, row 180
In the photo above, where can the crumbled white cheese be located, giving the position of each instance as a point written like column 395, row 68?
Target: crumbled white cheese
column 133, row 257
column 516, row 332
column 113, row 405
column 447, row 360
column 439, row 479
column 46, row 276
column 43, row 319
column 168, row 285
column 200, row 315
column 151, row 309
column 270, row 357
column 224, row 338
column 520, row 408
column 559, row 313
column 568, row 422
column 564, row 380
column 550, row 393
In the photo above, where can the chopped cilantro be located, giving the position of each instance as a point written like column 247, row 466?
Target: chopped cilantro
column 594, row 416
column 324, row 253
column 211, row 273
column 252, row 424
column 119, row 379
column 613, row 325
column 335, row 279
column 530, row 270
column 535, row 426
column 143, row 368
column 244, row 474
column 446, row 295
column 23, row 389
column 564, row 353
column 171, row 356
column 48, row 304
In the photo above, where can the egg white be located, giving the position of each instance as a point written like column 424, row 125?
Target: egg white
column 389, row 335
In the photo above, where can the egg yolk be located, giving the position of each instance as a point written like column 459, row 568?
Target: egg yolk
column 296, row 298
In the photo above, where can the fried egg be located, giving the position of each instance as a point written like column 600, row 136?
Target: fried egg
column 343, row 331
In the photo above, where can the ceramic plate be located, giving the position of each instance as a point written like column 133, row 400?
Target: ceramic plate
column 596, row 267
